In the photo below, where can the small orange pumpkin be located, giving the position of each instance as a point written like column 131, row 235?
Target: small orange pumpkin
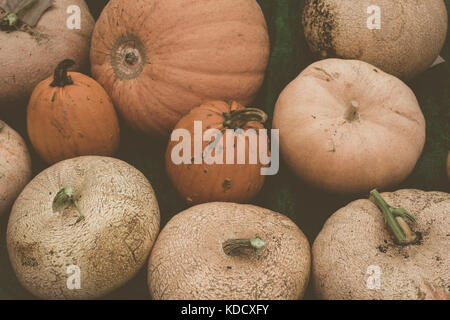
column 227, row 178
column 71, row 115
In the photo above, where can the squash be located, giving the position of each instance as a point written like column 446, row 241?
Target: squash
column 92, row 218
column 403, row 38
column 160, row 59
column 229, row 251
column 348, row 127
column 28, row 55
column 359, row 256
column 225, row 170
column 71, row 115
column 15, row 166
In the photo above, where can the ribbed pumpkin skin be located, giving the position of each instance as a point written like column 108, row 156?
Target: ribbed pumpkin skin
column 77, row 120
column 186, row 52
column 201, row 183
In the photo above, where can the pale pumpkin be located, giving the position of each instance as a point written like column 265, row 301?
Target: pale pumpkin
column 348, row 127
column 212, row 177
column 358, row 255
column 28, row 57
column 15, row 166
column 229, row 251
column 158, row 59
column 71, row 115
column 403, row 38
column 89, row 218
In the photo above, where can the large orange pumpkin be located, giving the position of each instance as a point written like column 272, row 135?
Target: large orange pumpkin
column 199, row 179
column 71, row 115
column 348, row 127
column 158, row 59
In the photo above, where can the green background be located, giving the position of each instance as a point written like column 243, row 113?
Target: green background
column 308, row 207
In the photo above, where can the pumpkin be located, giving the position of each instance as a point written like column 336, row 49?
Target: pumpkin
column 348, row 127
column 220, row 168
column 229, row 251
column 402, row 38
column 369, row 250
column 15, row 166
column 91, row 217
column 28, row 55
column 71, row 115
column 160, row 59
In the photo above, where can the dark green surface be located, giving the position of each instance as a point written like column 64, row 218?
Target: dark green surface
column 309, row 208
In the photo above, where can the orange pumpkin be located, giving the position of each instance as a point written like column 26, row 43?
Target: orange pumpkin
column 232, row 176
column 160, row 59
column 71, row 115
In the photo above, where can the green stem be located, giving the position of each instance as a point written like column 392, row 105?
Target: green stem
column 12, row 19
column 234, row 246
column 395, row 220
column 61, row 78
column 239, row 118
column 64, row 199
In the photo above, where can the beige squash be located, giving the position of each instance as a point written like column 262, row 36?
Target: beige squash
column 355, row 255
column 407, row 41
column 89, row 218
column 229, row 251
column 15, row 166
column 348, row 127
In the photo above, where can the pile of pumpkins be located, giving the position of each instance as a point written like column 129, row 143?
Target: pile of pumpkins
column 348, row 124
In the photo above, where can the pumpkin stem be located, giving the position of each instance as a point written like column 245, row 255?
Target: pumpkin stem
column 63, row 199
column 395, row 219
column 352, row 112
column 239, row 118
column 232, row 247
column 2, row 125
column 131, row 58
column 61, row 78
column 11, row 20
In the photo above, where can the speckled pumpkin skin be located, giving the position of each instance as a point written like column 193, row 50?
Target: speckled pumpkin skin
column 410, row 39
column 76, row 120
column 109, row 246
column 356, row 237
column 200, row 183
column 186, row 52
column 15, row 166
column 188, row 262
column 26, row 60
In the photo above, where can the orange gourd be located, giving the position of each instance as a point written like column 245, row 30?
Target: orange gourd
column 159, row 59
column 71, row 115
column 229, row 181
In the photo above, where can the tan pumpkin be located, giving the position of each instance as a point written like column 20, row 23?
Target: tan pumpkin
column 95, row 217
column 15, row 166
column 370, row 250
column 28, row 56
column 229, row 251
column 158, row 59
column 348, row 127
column 212, row 177
column 71, row 115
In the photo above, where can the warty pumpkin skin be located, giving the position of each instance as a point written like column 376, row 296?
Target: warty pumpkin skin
column 160, row 59
column 71, row 115
column 204, row 253
column 356, row 246
column 200, row 183
column 348, row 127
column 26, row 60
column 15, row 166
column 45, row 235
